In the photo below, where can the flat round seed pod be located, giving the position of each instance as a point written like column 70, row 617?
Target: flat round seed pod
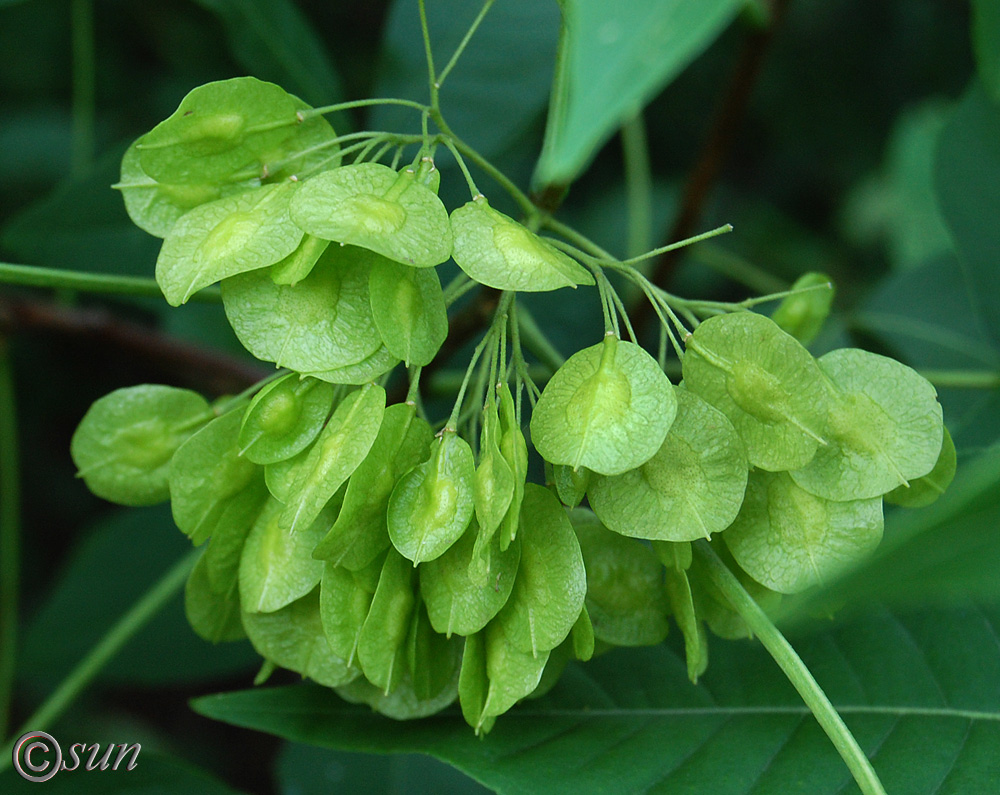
column 155, row 206
column 239, row 233
column 308, row 148
column 277, row 566
column 514, row 450
column 691, row 488
column 371, row 206
column 626, row 598
column 225, row 547
column 788, row 539
column 337, row 452
column 571, row 484
column 402, row 703
column 802, row 315
column 925, row 490
column 123, row 445
column 360, row 532
column 280, row 476
column 432, row 659
column 458, row 603
column 218, row 129
column 373, row 366
column 432, row 504
column 207, row 475
column 293, row 638
column 343, row 604
column 284, row 418
column 213, row 616
column 382, row 642
column 322, row 323
column 682, row 608
column 608, row 408
column 299, row 264
column 768, row 385
column 493, row 488
column 513, row 673
column 497, row 251
column 409, row 311
column 551, row 582
column 883, row 426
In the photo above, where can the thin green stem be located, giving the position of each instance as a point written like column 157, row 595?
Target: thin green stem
column 464, row 43
column 458, row 287
column 536, row 341
column 962, row 379
column 638, row 185
column 10, row 535
column 413, row 393
column 154, row 600
column 737, row 268
column 431, row 73
column 499, row 318
column 527, row 206
column 55, row 278
column 473, row 189
column 82, row 13
column 793, row 667
column 360, row 103
column 720, row 230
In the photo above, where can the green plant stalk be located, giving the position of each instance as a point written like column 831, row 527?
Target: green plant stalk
column 793, row 667
column 464, row 43
column 10, row 535
column 962, row 379
column 638, row 186
column 56, row 278
column 154, row 600
column 82, row 13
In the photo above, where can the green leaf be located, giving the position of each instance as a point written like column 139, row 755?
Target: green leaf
column 967, row 179
column 883, row 428
column 925, row 490
column 768, row 385
column 208, row 478
column 372, row 206
column 274, row 39
column 986, row 44
column 626, row 600
column 284, row 418
column 339, row 450
column 293, row 638
column 409, row 310
column 925, row 715
column 551, row 582
column 614, row 59
column 381, row 643
column 277, row 566
column 123, row 445
column 433, row 503
column 218, row 129
column 322, row 323
column 458, row 602
column 608, row 408
column 497, row 251
column 361, row 531
column 226, row 237
column 692, row 487
column 788, row 539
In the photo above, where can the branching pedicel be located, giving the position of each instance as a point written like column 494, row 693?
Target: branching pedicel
column 407, row 568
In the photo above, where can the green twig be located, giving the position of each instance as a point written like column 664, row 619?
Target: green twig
column 360, row 103
column 154, row 600
column 464, row 43
column 56, row 278
column 793, row 667
column 82, row 13
column 10, row 535
column 431, row 73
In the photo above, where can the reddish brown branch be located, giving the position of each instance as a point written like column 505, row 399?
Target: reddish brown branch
column 715, row 150
column 213, row 372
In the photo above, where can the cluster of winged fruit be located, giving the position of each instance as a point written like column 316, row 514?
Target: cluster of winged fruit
column 407, row 568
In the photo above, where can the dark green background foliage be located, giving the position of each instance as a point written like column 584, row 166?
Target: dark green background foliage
column 870, row 150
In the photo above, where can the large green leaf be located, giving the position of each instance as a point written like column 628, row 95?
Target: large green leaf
column 986, row 42
column 274, row 40
column 967, row 178
column 630, row 721
column 615, row 57
column 138, row 545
